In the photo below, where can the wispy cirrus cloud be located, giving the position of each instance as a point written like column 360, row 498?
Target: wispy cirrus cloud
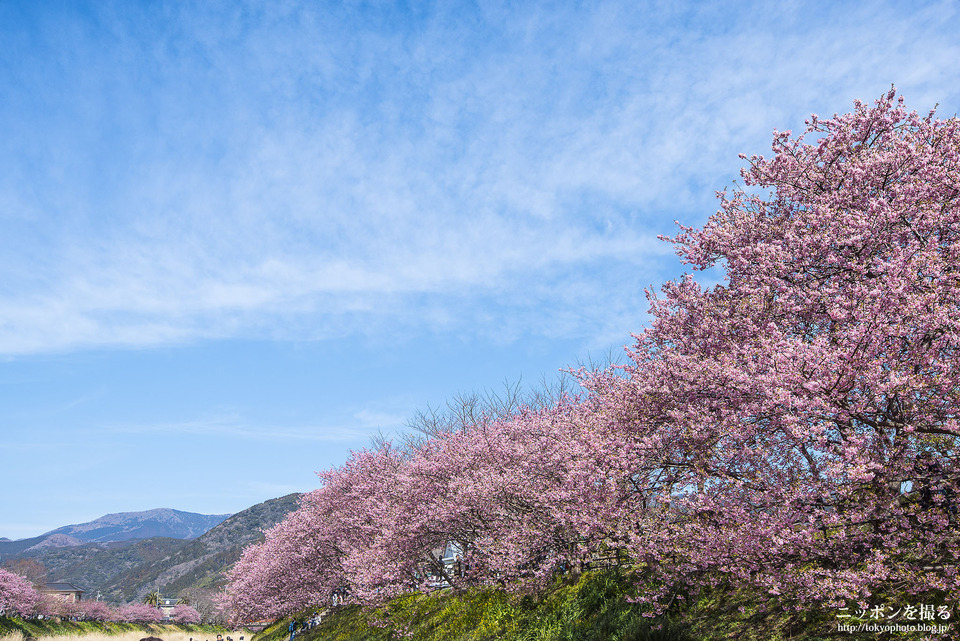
column 354, row 429
column 185, row 172
column 457, row 194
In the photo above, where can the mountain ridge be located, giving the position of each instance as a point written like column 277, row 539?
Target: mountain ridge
column 124, row 526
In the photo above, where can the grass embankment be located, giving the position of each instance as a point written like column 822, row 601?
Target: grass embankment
column 595, row 607
column 19, row 630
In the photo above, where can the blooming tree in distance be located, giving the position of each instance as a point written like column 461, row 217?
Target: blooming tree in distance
column 95, row 611
column 18, row 598
column 139, row 613
column 183, row 613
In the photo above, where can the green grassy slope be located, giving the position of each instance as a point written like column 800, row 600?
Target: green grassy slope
column 595, row 608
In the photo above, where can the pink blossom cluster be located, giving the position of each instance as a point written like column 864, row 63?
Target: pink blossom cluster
column 792, row 430
column 183, row 613
column 139, row 613
column 515, row 498
column 19, row 598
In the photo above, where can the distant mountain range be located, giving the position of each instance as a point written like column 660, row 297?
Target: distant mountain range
column 125, row 526
column 122, row 526
column 125, row 556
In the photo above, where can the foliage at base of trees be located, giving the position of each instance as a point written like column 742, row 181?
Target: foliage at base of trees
column 599, row 605
column 593, row 608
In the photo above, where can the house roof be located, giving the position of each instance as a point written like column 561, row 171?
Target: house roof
column 61, row 587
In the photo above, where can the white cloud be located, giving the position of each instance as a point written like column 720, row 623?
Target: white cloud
column 234, row 428
column 503, row 173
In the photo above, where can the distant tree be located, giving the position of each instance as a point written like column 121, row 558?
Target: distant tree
column 203, row 602
column 139, row 613
column 95, row 611
column 52, row 605
column 30, row 569
column 152, row 599
column 183, row 613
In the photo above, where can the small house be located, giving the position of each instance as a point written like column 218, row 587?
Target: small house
column 66, row 591
column 166, row 606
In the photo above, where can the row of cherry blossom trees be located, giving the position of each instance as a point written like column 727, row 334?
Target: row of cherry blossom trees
column 792, row 431
column 19, row 598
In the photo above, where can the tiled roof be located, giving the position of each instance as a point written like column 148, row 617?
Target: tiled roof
column 62, row 587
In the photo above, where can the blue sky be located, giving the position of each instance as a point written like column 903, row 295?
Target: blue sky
column 239, row 239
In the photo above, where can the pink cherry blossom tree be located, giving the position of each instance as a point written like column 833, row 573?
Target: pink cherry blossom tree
column 183, row 613
column 792, row 430
column 511, row 500
column 786, row 410
column 519, row 496
column 299, row 562
column 18, row 598
column 95, row 611
column 139, row 613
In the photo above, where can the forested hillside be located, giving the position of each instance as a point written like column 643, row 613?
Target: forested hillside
column 128, row 570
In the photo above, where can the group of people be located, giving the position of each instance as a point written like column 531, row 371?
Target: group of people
column 308, row 624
